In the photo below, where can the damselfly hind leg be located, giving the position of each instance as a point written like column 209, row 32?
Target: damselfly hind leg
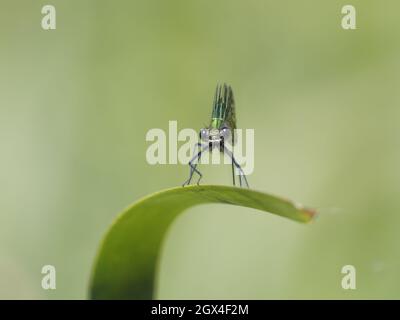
column 232, row 164
column 242, row 176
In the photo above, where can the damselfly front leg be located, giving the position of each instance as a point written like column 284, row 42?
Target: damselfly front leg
column 194, row 162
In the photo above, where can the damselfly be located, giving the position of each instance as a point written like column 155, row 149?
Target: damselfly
column 221, row 129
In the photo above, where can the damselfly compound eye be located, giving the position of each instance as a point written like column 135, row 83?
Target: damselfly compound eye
column 204, row 134
column 225, row 133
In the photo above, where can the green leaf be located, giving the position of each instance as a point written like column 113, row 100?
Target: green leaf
column 126, row 264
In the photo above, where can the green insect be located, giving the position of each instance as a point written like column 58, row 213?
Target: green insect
column 220, row 130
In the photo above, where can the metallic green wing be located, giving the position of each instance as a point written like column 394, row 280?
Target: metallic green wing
column 223, row 112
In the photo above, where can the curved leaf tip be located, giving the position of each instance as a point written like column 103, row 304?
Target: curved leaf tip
column 125, row 266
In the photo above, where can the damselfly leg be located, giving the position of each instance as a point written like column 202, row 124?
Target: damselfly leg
column 194, row 162
column 242, row 176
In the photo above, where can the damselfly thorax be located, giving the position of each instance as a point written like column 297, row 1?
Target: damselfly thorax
column 221, row 130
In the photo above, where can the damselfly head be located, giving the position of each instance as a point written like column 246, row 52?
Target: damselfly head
column 215, row 135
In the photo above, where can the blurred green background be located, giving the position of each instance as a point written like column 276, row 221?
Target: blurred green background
column 76, row 103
